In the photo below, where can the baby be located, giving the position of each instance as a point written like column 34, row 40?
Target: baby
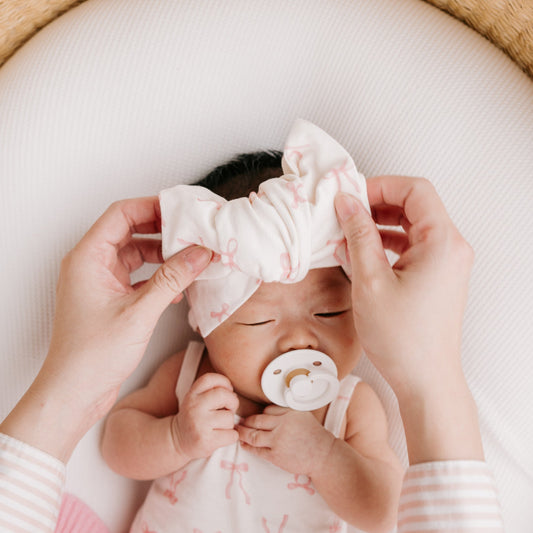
column 224, row 457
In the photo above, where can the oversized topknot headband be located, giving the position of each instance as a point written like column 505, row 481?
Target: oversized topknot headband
column 277, row 234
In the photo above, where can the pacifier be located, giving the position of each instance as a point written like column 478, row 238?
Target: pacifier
column 303, row 380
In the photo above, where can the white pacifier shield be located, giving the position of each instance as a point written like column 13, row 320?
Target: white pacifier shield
column 303, row 380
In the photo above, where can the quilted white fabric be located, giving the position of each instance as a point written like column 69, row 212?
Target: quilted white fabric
column 125, row 98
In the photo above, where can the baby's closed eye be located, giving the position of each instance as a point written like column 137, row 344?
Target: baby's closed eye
column 256, row 322
column 332, row 314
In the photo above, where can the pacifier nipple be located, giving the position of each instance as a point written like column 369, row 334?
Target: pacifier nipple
column 303, row 380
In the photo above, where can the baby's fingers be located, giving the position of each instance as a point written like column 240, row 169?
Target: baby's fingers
column 219, row 398
column 209, row 381
column 257, row 438
column 224, row 437
column 261, row 421
column 222, row 419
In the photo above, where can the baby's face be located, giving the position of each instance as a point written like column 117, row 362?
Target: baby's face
column 314, row 313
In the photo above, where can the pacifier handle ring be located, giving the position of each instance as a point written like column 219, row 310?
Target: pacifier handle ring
column 302, row 405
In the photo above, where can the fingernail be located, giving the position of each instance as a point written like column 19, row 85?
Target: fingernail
column 197, row 258
column 346, row 206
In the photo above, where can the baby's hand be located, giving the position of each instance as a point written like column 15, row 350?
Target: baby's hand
column 205, row 420
column 292, row 440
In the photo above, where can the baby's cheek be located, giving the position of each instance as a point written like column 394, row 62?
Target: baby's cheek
column 352, row 350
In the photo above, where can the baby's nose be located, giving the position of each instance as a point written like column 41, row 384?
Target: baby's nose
column 297, row 336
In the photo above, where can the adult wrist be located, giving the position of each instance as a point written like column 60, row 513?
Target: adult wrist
column 440, row 421
column 50, row 417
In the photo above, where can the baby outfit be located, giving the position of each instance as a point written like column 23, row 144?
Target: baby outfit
column 233, row 490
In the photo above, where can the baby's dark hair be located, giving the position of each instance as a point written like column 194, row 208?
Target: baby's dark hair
column 243, row 174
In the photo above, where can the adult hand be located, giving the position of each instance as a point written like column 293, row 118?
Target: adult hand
column 408, row 317
column 102, row 323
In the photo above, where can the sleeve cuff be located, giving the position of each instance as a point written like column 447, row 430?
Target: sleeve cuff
column 449, row 496
column 31, row 487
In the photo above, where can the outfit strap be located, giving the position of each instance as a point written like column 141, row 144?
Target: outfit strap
column 337, row 408
column 189, row 368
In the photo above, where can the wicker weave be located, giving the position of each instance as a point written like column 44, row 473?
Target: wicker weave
column 21, row 19
column 507, row 23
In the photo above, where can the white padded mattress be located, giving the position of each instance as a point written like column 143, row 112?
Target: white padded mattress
column 124, row 98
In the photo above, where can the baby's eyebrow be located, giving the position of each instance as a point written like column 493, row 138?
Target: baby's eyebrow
column 332, row 285
column 259, row 304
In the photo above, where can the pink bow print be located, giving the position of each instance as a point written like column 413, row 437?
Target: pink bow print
column 336, row 527
column 289, row 272
column 295, row 152
column 297, row 197
column 306, row 486
column 281, row 526
column 146, row 529
column 239, row 468
column 175, row 480
column 230, row 252
column 220, row 314
column 337, row 172
column 340, row 254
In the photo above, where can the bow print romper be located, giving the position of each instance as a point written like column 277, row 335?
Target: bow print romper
column 234, row 491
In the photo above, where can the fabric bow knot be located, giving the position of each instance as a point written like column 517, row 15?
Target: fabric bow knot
column 277, row 234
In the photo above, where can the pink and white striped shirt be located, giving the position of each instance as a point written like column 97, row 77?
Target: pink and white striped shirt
column 446, row 496
column 31, row 487
column 439, row 497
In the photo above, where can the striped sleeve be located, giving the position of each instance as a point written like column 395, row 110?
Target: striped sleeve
column 449, row 496
column 31, row 487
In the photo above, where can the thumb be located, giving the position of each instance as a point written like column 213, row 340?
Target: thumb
column 365, row 248
column 172, row 278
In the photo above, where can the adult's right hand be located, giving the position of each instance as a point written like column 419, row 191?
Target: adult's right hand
column 102, row 324
column 408, row 316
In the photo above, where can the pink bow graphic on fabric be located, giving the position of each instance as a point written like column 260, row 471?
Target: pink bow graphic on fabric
column 276, row 235
column 239, row 468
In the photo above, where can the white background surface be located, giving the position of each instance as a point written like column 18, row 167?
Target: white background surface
column 121, row 99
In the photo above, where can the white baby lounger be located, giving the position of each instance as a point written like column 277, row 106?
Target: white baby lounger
column 125, row 98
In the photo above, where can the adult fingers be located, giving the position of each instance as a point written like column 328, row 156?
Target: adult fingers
column 390, row 216
column 124, row 218
column 367, row 256
column 139, row 284
column 171, row 279
column 417, row 197
column 139, row 251
column 396, row 241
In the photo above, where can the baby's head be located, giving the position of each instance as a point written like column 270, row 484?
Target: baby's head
column 314, row 313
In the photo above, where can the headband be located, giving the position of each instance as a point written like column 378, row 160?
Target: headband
column 277, row 234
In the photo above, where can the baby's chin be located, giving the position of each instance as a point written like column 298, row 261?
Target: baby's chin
column 251, row 404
